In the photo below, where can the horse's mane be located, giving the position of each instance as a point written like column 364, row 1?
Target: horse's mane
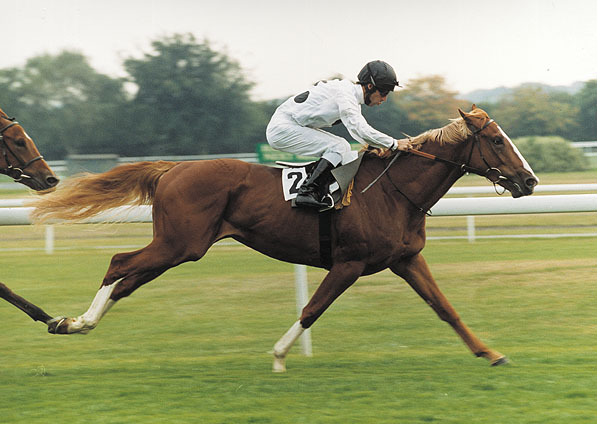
column 455, row 132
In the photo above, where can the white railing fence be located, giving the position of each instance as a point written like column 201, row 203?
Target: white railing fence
column 12, row 212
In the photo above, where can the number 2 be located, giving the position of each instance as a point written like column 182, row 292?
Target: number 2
column 297, row 178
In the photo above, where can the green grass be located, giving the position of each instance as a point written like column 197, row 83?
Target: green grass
column 192, row 346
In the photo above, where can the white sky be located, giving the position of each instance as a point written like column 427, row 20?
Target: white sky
column 284, row 46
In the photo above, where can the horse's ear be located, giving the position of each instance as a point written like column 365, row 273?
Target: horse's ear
column 472, row 120
column 474, row 107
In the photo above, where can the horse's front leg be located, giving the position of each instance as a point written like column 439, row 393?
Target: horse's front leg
column 340, row 277
column 83, row 324
column 416, row 273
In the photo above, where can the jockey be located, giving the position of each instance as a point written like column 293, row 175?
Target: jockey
column 296, row 125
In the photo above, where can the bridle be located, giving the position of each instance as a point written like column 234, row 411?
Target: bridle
column 16, row 173
column 493, row 174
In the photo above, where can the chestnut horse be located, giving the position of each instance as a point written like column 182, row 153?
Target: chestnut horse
column 21, row 161
column 196, row 204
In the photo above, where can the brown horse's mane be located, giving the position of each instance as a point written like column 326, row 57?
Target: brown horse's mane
column 455, row 132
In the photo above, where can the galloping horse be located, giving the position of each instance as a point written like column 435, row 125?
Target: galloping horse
column 21, row 161
column 196, row 204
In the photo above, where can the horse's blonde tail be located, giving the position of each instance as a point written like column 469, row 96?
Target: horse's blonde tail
column 87, row 195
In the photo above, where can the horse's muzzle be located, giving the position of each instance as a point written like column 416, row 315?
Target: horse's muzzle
column 520, row 186
column 45, row 182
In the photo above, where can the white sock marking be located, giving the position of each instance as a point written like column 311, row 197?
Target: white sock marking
column 99, row 306
column 283, row 345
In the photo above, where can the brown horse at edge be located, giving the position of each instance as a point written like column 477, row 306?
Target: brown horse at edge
column 196, row 204
column 21, row 161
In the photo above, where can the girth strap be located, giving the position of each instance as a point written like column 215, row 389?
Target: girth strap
column 325, row 238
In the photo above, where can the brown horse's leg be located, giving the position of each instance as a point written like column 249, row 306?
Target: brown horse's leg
column 340, row 277
column 416, row 273
column 36, row 313
column 182, row 232
column 127, row 272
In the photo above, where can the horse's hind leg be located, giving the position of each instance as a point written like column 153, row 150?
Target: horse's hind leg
column 127, row 272
column 416, row 273
column 89, row 320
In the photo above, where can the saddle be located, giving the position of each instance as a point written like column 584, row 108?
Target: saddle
column 340, row 190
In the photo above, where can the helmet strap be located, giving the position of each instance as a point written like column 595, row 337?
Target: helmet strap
column 369, row 92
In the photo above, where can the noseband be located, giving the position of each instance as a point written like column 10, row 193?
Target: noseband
column 493, row 175
column 16, row 173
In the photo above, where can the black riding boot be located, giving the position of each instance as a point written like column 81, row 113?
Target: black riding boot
column 311, row 192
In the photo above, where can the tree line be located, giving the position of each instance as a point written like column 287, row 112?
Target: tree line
column 185, row 98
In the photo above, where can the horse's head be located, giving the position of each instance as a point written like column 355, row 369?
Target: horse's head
column 20, row 159
column 494, row 152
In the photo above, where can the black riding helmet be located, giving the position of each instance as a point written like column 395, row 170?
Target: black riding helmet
column 380, row 74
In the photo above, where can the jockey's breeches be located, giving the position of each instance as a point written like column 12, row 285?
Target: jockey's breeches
column 285, row 134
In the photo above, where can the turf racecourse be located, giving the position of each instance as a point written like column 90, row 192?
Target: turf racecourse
column 191, row 347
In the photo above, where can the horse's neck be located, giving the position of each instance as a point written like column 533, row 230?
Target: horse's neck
column 429, row 180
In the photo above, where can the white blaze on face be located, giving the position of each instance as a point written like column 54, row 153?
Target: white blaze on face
column 522, row 159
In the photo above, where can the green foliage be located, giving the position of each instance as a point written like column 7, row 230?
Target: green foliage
column 191, row 99
column 428, row 103
column 587, row 111
column 186, row 97
column 531, row 111
column 66, row 106
column 551, row 154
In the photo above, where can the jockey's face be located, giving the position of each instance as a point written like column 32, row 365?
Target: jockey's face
column 376, row 98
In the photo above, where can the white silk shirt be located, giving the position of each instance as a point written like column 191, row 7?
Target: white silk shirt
column 330, row 101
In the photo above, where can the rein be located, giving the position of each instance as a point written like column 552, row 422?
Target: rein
column 493, row 175
column 16, row 173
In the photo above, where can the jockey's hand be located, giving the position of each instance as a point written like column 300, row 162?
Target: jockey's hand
column 403, row 144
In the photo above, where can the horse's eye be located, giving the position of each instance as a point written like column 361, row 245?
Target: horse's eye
column 498, row 141
column 19, row 142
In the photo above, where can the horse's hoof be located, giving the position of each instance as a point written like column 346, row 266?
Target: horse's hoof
column 54, row 325
column 279, row 365
column 500, row 361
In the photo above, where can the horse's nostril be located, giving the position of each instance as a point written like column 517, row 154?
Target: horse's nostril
column 531, row 182
column 52, row 181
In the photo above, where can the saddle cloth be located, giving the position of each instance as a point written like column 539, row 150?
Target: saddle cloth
column 294, row 174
